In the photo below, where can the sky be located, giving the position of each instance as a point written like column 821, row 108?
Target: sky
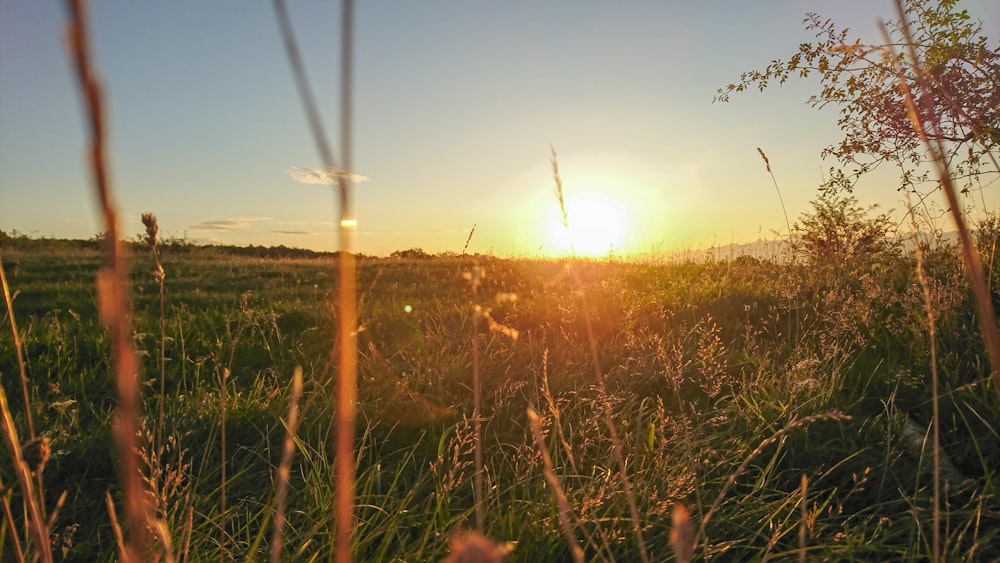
column 457, row 104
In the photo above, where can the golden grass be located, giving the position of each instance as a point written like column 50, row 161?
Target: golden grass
column 792, row 425
column 112, row 289
column 223, row 399
column 595, row 360
column 565, row 510
column 767, row 164
column 346, row 348
column 475, row 278
column 18, row 350
column 159, row 274
column 284, row 469
column 682, row 538
column 37, row 523
column 10, row 433
column 803, row 517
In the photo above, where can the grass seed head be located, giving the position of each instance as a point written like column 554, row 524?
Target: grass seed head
column 152, row 228
column 36, row 452
column 471, row 547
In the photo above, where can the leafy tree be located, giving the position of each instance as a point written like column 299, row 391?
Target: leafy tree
column 839, row 232
column 962, row 95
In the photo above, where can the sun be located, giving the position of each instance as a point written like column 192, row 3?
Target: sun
column 598, row 225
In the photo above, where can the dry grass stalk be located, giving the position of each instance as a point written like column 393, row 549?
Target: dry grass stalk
column 186, row 534
column 559, row 189
column 595, row 360
column 477, row 428
column 347, row 306
column 285, row 468
column 475, row 278
column 346, row 410
column 9, row 518
column 568, row 449
column 767, row 163
column 116, row 528
column 164, row 473
column 919, row 116
column 468, row 240
column 935, row 409
column 682, row 534
column 222, row 436
column 112, row 289
column 803, row 518
column 152, row 229
column 565, row 510
column 162, row 533
column 797, row 423
column 41, row 443
column 18, row 350
column 347, row 350
column 556, row 414
column 36, row 516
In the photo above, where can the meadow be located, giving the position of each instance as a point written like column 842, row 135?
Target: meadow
column 785, row 403
column 165, row 401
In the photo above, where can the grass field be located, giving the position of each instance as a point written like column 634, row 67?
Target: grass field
column 836, row 404
column 703, row 366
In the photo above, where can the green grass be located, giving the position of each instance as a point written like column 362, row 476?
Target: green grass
column 703, row 363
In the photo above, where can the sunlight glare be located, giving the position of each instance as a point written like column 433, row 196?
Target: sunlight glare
column 598, row 225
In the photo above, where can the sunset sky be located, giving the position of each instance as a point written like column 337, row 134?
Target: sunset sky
column 457, row 104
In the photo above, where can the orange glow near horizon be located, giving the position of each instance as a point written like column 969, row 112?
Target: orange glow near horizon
column 598, row 225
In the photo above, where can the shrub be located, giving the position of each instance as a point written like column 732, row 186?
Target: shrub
column 839, row 232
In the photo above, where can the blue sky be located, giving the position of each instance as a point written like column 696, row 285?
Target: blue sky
column 457, row 104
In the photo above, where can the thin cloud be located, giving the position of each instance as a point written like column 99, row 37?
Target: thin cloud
column 328, row 177
column 228, row 224
column 283, row 232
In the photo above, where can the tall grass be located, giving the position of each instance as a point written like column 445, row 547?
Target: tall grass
column 33, row 491
column 694, row 381
column 16, row 340
column 159, row 274
column 925, row 120
column 346, row 347
column 112, row 289
column 565, row 510
column 284, row 470
column 595, row 360
column 476, row 276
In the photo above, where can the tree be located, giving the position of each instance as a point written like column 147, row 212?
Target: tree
column 839, row 232
column 962, row 95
